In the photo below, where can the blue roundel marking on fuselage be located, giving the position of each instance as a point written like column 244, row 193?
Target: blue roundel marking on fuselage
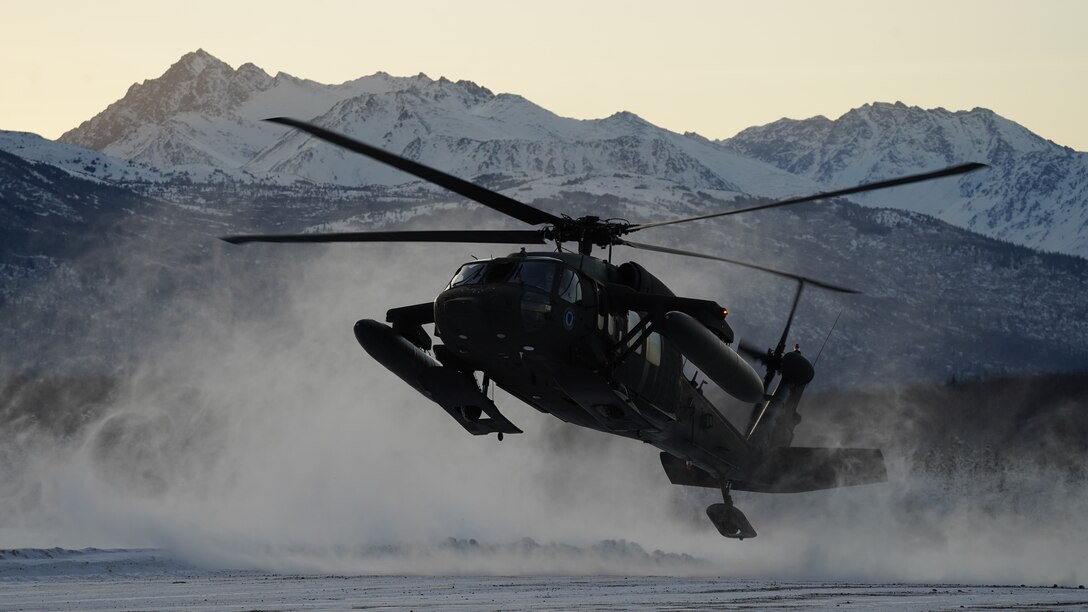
column 568, row 319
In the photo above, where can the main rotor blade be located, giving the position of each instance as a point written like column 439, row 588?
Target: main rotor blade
column 903, row 180
column 478, row 236
column 476, row 193
column 797, row 277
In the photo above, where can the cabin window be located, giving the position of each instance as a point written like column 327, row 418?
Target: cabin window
column 653, row 349
column 617, row 326
column 632, row 322
column 570, row 288
column 468, row 274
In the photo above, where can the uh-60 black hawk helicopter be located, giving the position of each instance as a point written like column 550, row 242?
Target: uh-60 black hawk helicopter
column 603, row 346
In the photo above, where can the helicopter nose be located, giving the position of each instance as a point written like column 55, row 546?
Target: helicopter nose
column 500, row 313
column 463, row 307
column 464, row 318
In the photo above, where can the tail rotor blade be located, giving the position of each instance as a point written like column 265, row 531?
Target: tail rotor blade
column 789, row 320
column 751, row 351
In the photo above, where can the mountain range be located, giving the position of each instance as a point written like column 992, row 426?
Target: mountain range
column 113, row 223
column 1036, row 193
column 202, row 117
column 153, row 378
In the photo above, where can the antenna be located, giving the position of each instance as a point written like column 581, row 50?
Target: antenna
column 817, row 360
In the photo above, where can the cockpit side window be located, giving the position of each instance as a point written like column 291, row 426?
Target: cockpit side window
column 469, row 274
column 570, row 288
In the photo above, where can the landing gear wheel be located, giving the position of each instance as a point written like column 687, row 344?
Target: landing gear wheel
column 728, row 519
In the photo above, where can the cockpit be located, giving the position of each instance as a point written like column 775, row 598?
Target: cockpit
column 541, row 274
column 537, row 291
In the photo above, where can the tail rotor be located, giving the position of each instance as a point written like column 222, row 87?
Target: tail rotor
column 776, row 416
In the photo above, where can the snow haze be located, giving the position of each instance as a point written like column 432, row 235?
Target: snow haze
column 257, row 434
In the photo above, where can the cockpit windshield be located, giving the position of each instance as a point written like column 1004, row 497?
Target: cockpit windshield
column 532, row 272
column 469, row 274
column 539, row 274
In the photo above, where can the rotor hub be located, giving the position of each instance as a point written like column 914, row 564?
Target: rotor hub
column 588, row 231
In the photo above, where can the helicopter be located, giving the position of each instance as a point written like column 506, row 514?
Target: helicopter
column 604, row 346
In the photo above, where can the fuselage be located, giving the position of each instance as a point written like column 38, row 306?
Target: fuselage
column 549, row 329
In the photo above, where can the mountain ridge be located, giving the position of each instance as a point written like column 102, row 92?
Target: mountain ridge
column 231, row 138
column 939, row 301
column 202, row 117
column 994, row 307
column 1035, row 193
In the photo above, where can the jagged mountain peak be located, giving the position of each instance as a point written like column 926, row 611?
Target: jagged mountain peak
column 1032, row 195
column 898, row 118
column 249, row 68
column 195, row 80
column 204, row 113
column 383, row 81
column 882, row 106
column 469, row 87
column 196, row 62
column 899, row 109
column 627, row 117
column 201, row 111
column 197, row 83
column 867, row 142
column 433, row 90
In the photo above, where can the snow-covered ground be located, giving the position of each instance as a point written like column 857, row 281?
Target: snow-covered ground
column 127, row 579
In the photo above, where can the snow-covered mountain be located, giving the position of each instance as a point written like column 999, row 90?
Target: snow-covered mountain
column 91, row 269
column 78, row 161
column 203, row 113
column 467, row 130
column 1035, row 193
column 942, row 300
column 202, row 118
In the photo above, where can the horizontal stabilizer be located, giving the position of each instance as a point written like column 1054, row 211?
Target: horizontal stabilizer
column 683, row 474
column 789, row 469
column 794, row 469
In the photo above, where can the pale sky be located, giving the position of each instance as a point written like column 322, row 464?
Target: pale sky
column 713, row 67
